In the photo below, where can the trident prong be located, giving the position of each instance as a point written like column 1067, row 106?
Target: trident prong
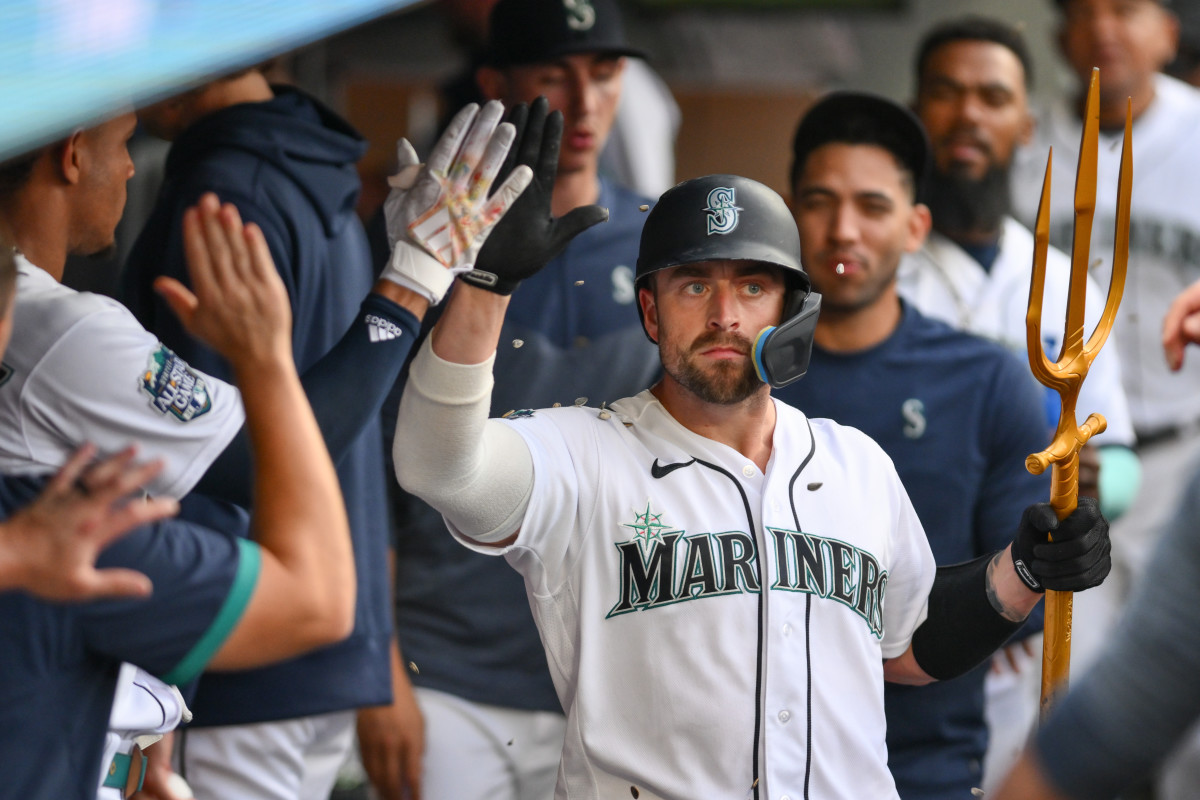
column 1066, row 375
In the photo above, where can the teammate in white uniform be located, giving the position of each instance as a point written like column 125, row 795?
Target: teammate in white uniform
column 972, row 80
column 707, row 567
column 1130, row 41
column 974, row 273
column 1129, row 44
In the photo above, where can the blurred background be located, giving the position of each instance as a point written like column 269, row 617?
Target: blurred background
column 741, row 71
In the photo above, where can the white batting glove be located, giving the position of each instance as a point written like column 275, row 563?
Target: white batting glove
column 439, row 214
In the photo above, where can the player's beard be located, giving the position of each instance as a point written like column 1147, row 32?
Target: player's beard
column 722, row 382
column 961, row 205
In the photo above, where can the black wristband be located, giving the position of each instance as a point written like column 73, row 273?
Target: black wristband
column 490, row 281
column 962, row 627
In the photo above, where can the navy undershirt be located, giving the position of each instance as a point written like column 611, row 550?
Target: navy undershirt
column 985, row 254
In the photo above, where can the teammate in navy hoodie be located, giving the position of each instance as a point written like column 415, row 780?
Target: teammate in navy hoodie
column 288, row 164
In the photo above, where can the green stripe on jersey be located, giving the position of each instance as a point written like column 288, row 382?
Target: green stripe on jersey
column 249, row 564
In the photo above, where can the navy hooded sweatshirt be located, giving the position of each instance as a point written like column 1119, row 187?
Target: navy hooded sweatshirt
column 288, row 164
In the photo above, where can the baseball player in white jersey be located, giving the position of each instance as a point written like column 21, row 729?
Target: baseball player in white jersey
column 83, row 369
column 721, row 584
column 1164, row 255
column 973, row 75
column 1130, row 41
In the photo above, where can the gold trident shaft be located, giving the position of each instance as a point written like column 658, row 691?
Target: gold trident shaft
column 1066, row 375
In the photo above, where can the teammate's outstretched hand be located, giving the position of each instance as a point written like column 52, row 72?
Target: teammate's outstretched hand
column 238, row 304
column 529, row 235
column 1078, row 558
column 49, row 547
column 1181, row 326
column 439, row 214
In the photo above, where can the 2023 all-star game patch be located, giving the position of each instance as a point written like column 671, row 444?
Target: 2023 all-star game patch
column 173, row 386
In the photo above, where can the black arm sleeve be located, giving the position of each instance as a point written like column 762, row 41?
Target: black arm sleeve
column 962, row 627
column 346, row 388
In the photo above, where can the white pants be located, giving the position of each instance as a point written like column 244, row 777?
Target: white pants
column 295, row 759
column 481, row 752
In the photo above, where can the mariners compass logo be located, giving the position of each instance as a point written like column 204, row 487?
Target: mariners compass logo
column 647, row 526
column 722, row 211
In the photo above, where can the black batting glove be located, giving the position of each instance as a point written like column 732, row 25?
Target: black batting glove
column 1078, row 558
column 529, row 236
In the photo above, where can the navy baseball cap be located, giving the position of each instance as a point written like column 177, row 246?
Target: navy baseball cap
column 862, row 118
column 534, row 31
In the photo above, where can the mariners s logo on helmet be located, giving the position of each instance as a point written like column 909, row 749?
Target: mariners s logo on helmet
column 722, row 213
column 581, row 16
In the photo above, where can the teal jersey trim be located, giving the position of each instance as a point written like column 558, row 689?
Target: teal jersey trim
column 244, row 581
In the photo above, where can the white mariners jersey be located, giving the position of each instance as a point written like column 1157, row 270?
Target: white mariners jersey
column 713, row 631
column 944, row 282
column 1164, row 250
column 81, row 369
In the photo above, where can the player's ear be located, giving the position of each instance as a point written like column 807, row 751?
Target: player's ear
column 649, row 306
column 70, row 156
column 1169, row 38
column 491, row 82
column 919, row 223
column 1028, row 126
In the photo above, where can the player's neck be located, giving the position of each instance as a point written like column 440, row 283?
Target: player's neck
column 853, row 330
column 38, row 232
column 748, row 427
column 574, row 189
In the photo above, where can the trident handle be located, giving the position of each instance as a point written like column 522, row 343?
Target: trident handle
column 1066, row 375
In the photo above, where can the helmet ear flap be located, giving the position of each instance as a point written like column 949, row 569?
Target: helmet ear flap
column 782, row 353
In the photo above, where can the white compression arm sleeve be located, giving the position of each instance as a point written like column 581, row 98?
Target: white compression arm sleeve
column 477, row 472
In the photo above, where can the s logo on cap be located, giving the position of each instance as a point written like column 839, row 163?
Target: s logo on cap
column 722, row 213
column 580, row 14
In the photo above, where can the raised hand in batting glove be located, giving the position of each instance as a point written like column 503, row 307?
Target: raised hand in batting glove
column 529, row 236
column 1077, row 559
column 439, row 214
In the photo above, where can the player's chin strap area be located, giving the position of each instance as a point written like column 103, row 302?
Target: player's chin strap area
column 782, row 352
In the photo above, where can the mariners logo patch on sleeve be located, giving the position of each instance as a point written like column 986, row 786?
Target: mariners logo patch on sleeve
column 173, row 386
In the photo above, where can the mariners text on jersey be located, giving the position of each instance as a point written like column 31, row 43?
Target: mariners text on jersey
column 661, row 566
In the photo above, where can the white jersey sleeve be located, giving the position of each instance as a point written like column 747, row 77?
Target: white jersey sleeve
column 81, row 369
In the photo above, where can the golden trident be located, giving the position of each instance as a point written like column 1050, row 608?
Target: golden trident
column 1066, row 375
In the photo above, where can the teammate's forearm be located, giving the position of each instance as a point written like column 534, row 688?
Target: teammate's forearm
column 346, row 387
column 306, row 588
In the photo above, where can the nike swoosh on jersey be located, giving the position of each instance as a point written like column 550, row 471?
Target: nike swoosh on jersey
column 663, row 470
